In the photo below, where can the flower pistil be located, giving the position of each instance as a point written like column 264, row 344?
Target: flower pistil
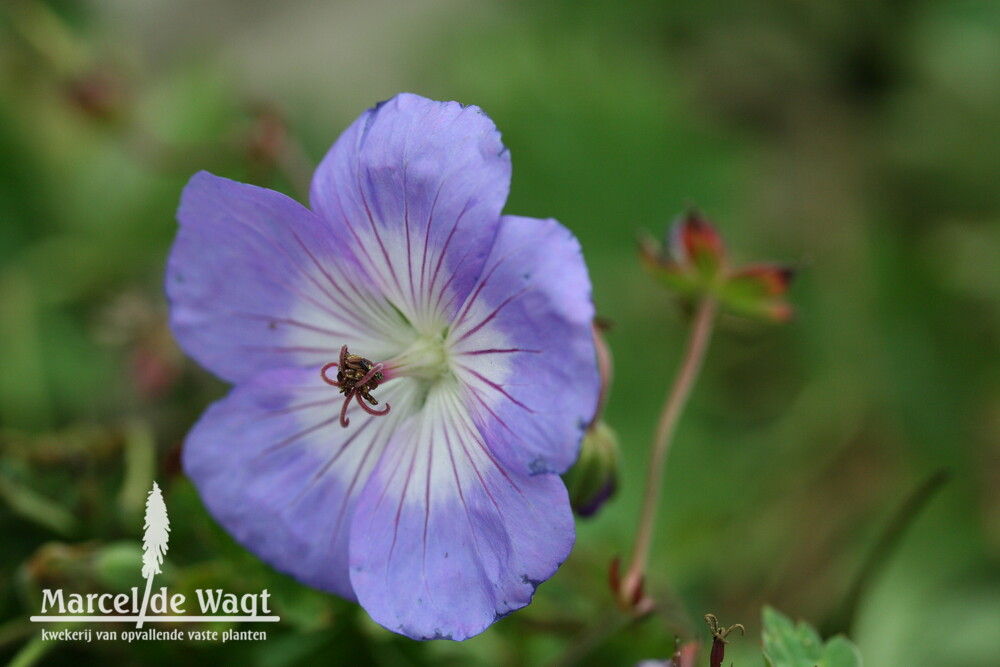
column 357, row 377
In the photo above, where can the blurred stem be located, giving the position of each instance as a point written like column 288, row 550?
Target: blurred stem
column 25, row 395
column 33, row 506
column 140, row 467
column 36, row 648
column 888, row 541
column 606, row 368
column 15, row 630
column 45, row 32
column 701, row 332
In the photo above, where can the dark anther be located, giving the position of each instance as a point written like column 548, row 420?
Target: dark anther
column 357, row 377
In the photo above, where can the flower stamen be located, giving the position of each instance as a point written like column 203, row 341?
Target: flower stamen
column 377, row 413
column 357, row 377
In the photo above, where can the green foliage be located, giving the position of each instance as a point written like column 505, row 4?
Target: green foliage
column 790, row 645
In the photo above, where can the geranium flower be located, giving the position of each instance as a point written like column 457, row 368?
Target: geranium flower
column 424, row 482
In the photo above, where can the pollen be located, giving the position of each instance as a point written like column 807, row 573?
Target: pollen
column 357, row 377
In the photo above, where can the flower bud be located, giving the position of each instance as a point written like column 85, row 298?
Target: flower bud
column 655, row 257
column 697, row 244
column 692, row 261
column 756, row 290
column 691, row 258
column 593, row 479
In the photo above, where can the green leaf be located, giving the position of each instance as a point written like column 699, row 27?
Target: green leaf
column 841, row 652
column 789, row 645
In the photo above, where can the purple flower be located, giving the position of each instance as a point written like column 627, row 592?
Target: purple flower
column 441, row 509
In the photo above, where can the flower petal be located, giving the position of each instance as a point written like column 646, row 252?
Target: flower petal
column 445, row 538
column 417, row 187
column 276, row 469
column 523, row 347
column 257, row 282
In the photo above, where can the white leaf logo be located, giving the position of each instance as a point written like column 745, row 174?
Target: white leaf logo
column 154, row 542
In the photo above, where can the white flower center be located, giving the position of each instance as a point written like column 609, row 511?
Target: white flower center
column 427, row 358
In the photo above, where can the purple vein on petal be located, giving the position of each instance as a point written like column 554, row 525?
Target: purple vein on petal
column 273, row 243
column 357, row 239
column 291, row 349
column 465, row 505
column 444, row 251
column 277, row 245
column 477, row 438
column 476, row 395
column 357, row 475
column 479, row 288
column 288, row 409
column 273, row 276
column 479, row 476
column 386, row 486
column 298, row 436
column 493, row 314
column 509, row 350
column 438, row 305
column 427, row 308
column 406, row 225
column 371, row 221
column 497, row 387
column 474, row 434
column 287, row 320
column 330, row 461
column 427, row 500
column 333, row 283
column 322, row 270
column 399, row 507
column 427, row 239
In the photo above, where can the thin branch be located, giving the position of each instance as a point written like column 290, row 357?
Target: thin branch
column 888, row 541
column 694, row 355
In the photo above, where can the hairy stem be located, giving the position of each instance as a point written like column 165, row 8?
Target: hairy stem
column 694, row 355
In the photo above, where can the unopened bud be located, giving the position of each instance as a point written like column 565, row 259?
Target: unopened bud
column 757, row 290
column 656, row 259
column 696, row 243
column 693, row 262
column 690, row 259
column 594, row 477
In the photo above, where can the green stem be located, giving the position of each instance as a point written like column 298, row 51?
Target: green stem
column 36, row 648
column 694, row 355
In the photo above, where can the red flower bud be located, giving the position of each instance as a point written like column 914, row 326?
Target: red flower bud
column 696, row 243
column 756, row 291
column 768, row 279
column 692, row 257
column 693, row 261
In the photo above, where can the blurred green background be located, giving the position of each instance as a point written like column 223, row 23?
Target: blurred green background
column 858, row 141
